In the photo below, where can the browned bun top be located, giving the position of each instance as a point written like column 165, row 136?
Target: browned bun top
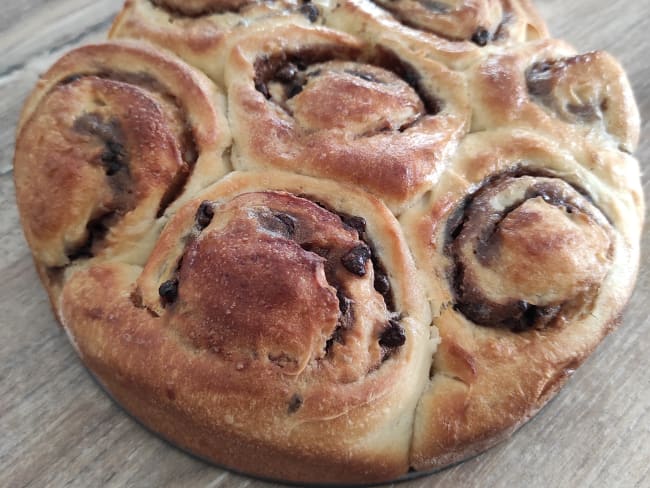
column 318, row 102
column 526, row 250
column 198, row 8
column 202, row 31
column 526, row 247
column 546, row 86
column 452, row 32
column 291, row 303
column 277, row 276
column 112, row 136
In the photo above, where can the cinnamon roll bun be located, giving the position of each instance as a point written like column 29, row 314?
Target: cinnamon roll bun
column 529, row 258
column 113, row 136
column 277, row 316
column 201, row 31
column 319, row 102
column 450, row 31
column 231, row 267
column 546, row 86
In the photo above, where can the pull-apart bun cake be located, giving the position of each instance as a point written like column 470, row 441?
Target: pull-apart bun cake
column 332, row 242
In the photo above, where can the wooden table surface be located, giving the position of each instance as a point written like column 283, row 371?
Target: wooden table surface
column 58, row 428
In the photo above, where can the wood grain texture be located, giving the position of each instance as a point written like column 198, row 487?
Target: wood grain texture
column 57, row 428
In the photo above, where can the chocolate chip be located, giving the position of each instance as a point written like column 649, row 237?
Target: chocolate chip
column 344, row 302
column 355, row 259
column 295, row 403
column 356, row 223
column 287, row 73
column 168, row 291
column 310, row 11
column 393, row 335
column 293, row 90
column 481, row 37
column 263, row 89
column 113, row 157
column 539, row 78
column 381, row 284
column 204, row 214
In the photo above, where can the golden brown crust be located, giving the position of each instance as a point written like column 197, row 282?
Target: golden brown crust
column 546, row 86
column 317, row 102
column 453, row 34
column 113, row 136
column 328, row 381
column 201, row 32
column 487, row 379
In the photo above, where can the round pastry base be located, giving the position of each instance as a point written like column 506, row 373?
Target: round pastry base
column 407, row 477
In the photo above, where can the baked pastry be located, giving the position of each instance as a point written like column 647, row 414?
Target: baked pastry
column 451, row 32
column 201, row 31
column 528, row 252
column 277, row 327
column 546, row 86
column 378, row 244
column 113, row 136
column 389, row 122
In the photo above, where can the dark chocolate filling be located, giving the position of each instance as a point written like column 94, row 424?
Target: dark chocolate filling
column 292, row 70
column 96, row 231
column 389, row 60
column 393, row 335
column 382, row 283
column 540, row 78
column 222, row 8
column 435, row 7
column 543, row 76
column 516, row 315
column 295, row 403
column 309, row 10
column 115, row 157
column 187, row 145
column 204, row 214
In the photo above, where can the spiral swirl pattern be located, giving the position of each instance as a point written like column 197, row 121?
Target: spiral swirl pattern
column 547, row 86
column 389, row 124
column 267, row 276
column 113, row 136
column 525, row 252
